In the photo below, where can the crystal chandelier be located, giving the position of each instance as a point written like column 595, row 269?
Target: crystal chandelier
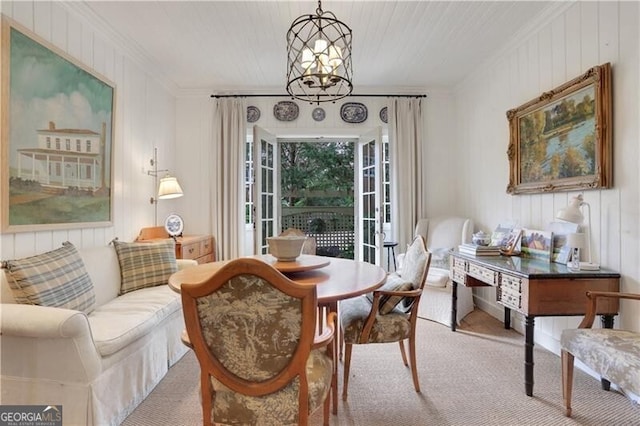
column 319, row 58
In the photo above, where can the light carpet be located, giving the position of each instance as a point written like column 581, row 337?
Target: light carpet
column 474, row 376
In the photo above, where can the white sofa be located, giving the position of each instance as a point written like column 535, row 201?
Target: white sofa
column 100, row 366
column 442, row 234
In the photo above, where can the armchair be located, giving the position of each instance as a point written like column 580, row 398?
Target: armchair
column 442, row 234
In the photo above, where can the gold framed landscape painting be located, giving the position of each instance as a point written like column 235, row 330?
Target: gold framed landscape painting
column 57, row 137
column 562, row 140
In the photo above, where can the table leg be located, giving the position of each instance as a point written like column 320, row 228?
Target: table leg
column 607, row 322
column 528, row 354
column 507, row 318
column 337, row 348
column 454, row 305
column 393, row 252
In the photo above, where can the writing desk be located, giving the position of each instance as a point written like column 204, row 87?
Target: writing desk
column 533, row 288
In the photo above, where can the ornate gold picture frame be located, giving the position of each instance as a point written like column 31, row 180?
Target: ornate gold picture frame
column 562, row 140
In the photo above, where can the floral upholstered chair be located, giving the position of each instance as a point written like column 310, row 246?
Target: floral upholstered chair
column 614, row 354
column 255, row 337
column 389, row 314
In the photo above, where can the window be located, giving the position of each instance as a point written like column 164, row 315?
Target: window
column 68, row 144
column 58, row 143
column 78, row 145
column 248, row 181
column 88, row 145
column 48, row 142
column 386, row 181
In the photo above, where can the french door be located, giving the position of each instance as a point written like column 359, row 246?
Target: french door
column 369, row 237
column 266, row 188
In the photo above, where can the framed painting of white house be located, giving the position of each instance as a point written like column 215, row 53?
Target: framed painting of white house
column 57, row 137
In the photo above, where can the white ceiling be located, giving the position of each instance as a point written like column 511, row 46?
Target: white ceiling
column 241, row 45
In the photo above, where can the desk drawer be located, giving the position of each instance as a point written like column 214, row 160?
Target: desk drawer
column 510, row 282
column 483, row 274
column 206, row 247
column 191, row 251
column 459, row 276
column 459, row 264
column 511, row 299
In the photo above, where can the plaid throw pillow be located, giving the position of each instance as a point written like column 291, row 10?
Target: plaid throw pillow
column 56, row 278
column 145, row 264
column 393, row 283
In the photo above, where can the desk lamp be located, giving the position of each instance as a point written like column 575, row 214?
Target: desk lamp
column 573, row 214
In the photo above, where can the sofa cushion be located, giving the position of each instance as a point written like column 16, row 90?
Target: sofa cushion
column 394, row 282
column 126, row 318
column 145, row 265
column 57, row 278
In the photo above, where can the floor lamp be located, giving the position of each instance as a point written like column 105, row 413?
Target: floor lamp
column 572, row 213
column 168, row 188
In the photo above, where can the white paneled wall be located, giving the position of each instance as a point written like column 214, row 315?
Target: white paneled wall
column 145, row 117
column 583, row 35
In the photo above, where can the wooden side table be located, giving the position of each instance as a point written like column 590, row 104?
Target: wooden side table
column 391, row 249
column 197, row 247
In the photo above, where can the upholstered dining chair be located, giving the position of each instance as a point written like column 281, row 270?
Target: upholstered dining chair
column 310, row 245
column 389, row 314
column 254, row 333
column 612, row 353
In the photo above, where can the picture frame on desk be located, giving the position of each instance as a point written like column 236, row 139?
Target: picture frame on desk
column 511, row 244
column 537, row 244
column 561, row 252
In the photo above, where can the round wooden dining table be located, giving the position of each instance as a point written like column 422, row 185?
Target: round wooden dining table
column 335, row 279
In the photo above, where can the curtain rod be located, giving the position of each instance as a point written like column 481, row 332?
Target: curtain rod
column 289, row 96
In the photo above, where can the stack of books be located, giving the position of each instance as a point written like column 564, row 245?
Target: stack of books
column 476, row 250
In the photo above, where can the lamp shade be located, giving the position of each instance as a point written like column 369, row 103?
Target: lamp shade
column 169, row 188
column 572, row 212
column 576, row 240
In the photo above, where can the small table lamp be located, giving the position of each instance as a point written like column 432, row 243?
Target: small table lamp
column 573, row 214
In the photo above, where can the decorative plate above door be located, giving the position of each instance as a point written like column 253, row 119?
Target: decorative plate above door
column 353, row 112
column 286, row 111
column 253, row 114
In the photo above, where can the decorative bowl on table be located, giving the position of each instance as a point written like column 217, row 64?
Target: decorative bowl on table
column 481, row 239
column 286, row 248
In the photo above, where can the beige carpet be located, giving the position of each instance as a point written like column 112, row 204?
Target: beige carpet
column 472, row 377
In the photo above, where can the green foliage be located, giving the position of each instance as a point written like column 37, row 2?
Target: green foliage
column 317, row 167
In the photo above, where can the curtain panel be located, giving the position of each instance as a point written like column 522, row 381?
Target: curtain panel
column 227, row 172
column 407, row 170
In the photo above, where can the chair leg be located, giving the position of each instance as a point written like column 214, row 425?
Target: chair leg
column 414, row 366
column 347, row 364
column 327, row 408
column 404, row 356
column 206, row 395
column 567, row 381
